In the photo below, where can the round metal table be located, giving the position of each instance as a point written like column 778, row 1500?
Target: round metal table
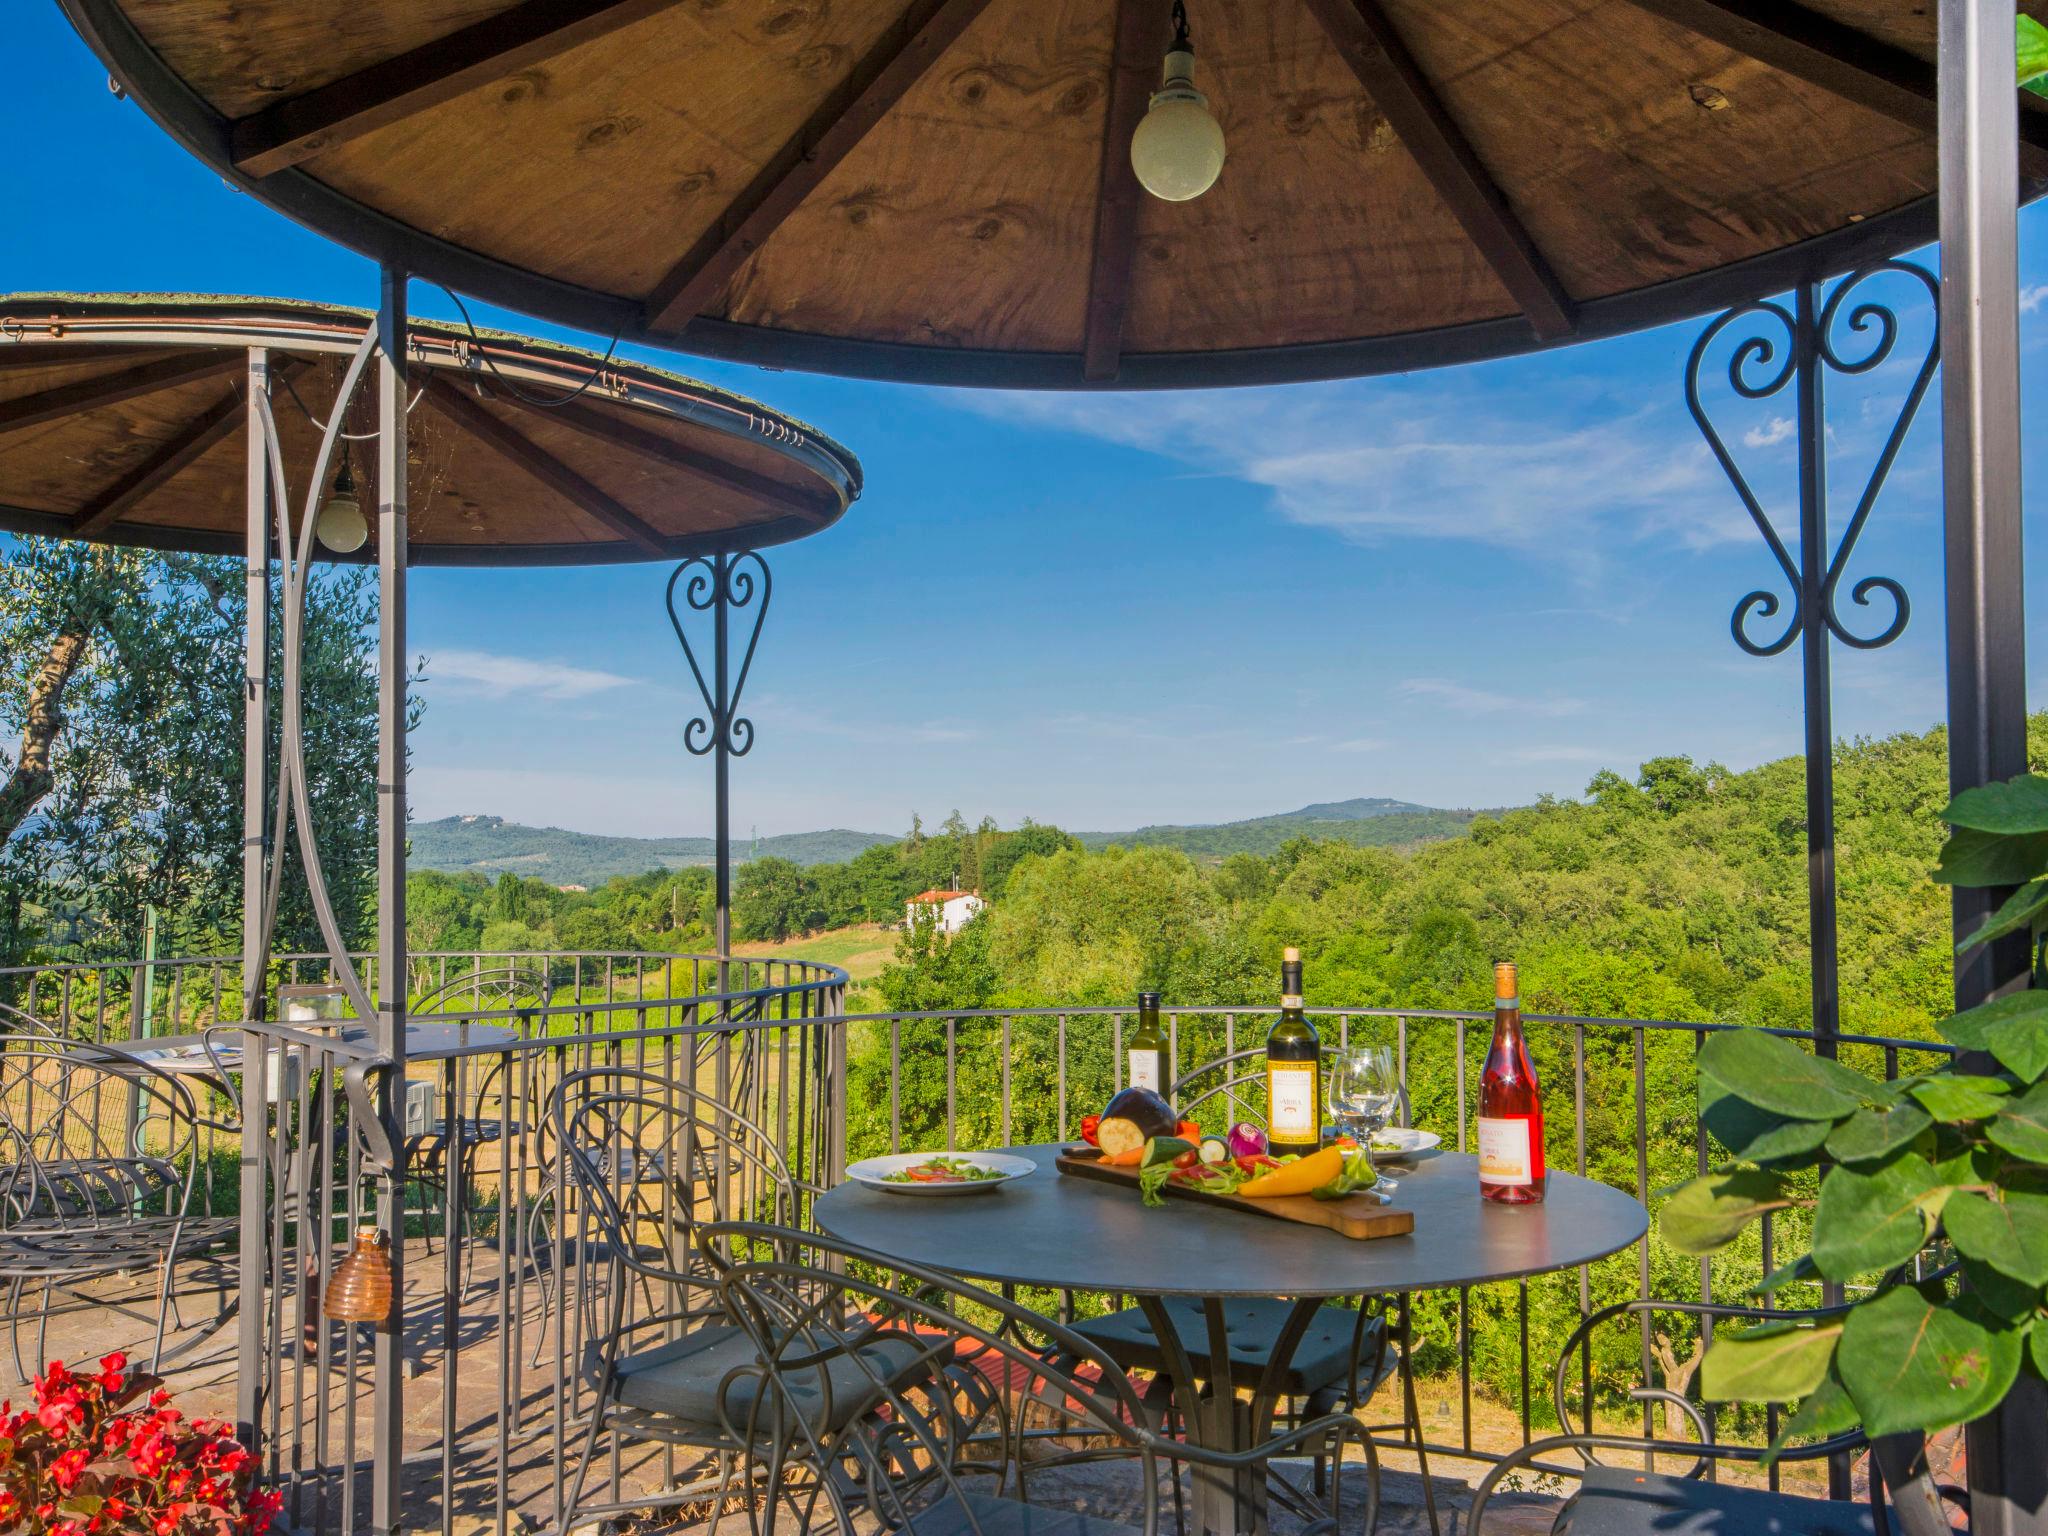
column 1084, row 1235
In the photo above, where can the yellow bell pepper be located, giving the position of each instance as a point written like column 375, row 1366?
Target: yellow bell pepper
column 1296, row 1178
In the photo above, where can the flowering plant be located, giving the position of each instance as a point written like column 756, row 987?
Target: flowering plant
column 107, row 1453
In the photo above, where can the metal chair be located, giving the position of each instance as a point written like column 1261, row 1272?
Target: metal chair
column 19, row 1023
column 1346, row 1353
column 476, row 1124
column 98, row 1159
column 653, row 1162
column 909, row 1398
column 1632, row 1501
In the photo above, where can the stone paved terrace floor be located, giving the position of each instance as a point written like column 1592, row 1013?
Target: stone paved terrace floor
column 533, row 1459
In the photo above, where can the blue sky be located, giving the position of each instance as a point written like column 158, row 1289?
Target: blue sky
column 1462, row 588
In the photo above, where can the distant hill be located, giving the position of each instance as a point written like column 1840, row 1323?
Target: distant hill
column 1372, row 823
column 491, row 845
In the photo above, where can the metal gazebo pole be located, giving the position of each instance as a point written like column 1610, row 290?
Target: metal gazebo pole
column 389, row 1426
column 255, row 935
column 1987, row 708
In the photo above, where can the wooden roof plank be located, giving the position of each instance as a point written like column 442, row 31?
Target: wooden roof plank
column 287, row 132
column 216, row 423
column 884, row 74
column 113, row 388
column 508, row 442
column 1839, row 59
column 1134, row 65
column 1366, row 39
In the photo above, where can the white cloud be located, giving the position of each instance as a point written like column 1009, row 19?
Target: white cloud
column 1480, row 701
column 1781, row 428
column 1384, row 459
column 498, row 676
column 2031, row 297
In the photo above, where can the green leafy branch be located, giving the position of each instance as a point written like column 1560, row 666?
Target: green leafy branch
column 1946, row 1156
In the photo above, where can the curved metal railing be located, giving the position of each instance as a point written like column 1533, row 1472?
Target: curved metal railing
column 114, row 1000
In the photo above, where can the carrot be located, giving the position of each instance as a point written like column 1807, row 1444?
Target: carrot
column 1126, row 1159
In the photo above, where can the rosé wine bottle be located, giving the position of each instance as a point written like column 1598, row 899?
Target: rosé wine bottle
column 1511, row 1168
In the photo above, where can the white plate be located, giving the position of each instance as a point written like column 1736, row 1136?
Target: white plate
column 872, row 1172
column 1411, row 1142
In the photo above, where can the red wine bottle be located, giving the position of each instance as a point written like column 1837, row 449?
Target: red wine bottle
column 1511, row 1168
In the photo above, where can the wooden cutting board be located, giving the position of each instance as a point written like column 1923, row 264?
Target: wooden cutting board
column 1357, row 1215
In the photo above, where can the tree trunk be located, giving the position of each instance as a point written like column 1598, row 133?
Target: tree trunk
column 34, row 775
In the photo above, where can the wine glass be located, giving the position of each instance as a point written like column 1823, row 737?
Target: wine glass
column 1364, row 1090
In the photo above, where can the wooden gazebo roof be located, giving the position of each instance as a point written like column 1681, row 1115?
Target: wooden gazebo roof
column 940, row 189
column 122, row 420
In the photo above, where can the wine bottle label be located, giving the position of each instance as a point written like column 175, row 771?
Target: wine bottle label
column 1505, row 1156
column 1291, row 1101
column 1144, row 1070
column 1290, row 999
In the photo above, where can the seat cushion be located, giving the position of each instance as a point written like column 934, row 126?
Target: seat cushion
column 1618, row 1501
column 683, row 1378
column 1321, row 1359
column 981, row 1514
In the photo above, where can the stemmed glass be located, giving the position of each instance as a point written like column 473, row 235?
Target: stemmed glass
column 1364, row 1090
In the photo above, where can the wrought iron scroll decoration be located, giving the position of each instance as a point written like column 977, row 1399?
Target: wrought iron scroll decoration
column 294, row 800
column 1755, row 372
column 715, row 580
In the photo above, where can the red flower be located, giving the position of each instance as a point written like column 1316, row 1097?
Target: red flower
column 66, row 1470
column 61, row 1413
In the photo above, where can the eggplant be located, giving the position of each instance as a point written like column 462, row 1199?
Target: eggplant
column 1133, row 1118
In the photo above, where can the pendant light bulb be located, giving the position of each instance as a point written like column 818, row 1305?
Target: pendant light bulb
column 342, row 527
column 1178, row 148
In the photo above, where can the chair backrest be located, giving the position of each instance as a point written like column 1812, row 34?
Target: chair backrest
column 656, row 1160
column 19, row 1023
column 1230, row 1087
column 92, row 1137
column 899, row 1385
column 488, row 989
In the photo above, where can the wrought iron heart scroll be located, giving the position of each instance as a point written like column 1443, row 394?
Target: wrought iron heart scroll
column 1756, row 371
column 730, row 583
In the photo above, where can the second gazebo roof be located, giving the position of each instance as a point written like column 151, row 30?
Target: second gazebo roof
column 121, row 420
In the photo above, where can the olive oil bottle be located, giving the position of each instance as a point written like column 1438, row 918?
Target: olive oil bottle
column 1294, row 1070
column 1148, row 1057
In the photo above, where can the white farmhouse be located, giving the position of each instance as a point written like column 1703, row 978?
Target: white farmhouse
column 955, row 908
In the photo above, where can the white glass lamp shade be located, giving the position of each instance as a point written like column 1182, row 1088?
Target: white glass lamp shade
column 342, row 526
column 1178, row 148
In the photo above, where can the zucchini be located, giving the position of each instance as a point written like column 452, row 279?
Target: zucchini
column 1163, row 1149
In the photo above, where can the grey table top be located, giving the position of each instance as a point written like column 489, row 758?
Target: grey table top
column 423, row 1042
column 1053, row 1230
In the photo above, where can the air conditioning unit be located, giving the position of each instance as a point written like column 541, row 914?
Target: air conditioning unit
column 422, row 1107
